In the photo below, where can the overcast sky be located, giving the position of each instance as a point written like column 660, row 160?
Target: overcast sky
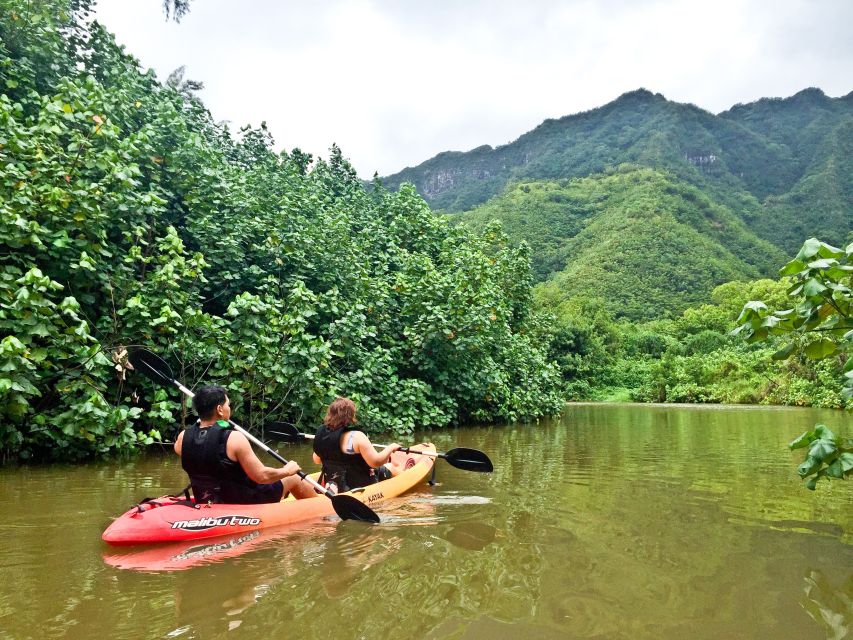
column 395, row 82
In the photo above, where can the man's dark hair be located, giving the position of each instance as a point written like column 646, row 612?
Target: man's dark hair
column 207, row 399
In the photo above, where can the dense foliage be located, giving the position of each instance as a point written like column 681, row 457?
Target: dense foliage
column 690, row 358
column 827, row 456
column 820, row 325
column 130, row 217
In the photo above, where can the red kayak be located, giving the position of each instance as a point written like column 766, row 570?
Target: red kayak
column 174, row 519
column 415, row 508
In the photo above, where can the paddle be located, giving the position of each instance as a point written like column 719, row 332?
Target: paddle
column 460, row 457
column 156, row 369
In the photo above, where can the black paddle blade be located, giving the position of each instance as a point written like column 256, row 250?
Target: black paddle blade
column 468, row 459
column 349, row 508
column 151, row 366
column 283, row 432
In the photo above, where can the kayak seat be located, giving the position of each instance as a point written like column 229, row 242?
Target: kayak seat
column 146, row 504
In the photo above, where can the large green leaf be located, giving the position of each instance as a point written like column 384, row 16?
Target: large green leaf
column 823, row 263
column 846, row 460
column 792, row 268
column 822, row 431
column 785, row 352
column 813, row 287
column 835, row 469
column 822, row 449
column 809, row 466
column 828, row 251
column 802, row 441
column 821, row 349
column 809, row 249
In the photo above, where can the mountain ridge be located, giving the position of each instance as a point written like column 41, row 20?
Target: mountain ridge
column 751, row 156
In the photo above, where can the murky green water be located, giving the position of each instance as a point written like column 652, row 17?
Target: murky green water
column 617, row 522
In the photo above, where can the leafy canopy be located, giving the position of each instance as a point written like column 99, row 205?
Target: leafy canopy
column 130, row 217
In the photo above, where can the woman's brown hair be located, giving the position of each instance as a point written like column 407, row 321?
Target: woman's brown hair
column 341, row 413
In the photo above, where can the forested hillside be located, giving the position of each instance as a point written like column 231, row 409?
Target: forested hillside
column 765, row 160
column 131, row 217
column 646, row 243
column 646, row 219
column 650, row 204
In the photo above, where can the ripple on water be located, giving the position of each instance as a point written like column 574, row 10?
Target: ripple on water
column 451, row 499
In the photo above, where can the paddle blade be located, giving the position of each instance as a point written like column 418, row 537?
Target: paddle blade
column 349, row 508
column 151, row 366
column 283, row 432
column 469, row 460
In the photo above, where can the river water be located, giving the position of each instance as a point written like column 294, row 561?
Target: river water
column 617, row 521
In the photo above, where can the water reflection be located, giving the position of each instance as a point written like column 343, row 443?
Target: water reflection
column 830, row 605
column 472, row 536
column 180, row 556
column 216, row 598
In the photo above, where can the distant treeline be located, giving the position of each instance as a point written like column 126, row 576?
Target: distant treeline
column 690, row 358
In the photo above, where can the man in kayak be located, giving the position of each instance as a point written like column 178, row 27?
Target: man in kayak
column 349, row 459
column 221, row 464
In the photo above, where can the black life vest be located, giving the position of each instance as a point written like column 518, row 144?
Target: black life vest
column 213, row 475
column 346, row 470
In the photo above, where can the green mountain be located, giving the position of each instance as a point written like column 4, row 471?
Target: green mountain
column 649, row 204
column 781, row 165
column 646, row 243
column 817, row 132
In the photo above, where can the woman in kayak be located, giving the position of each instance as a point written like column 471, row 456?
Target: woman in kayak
column 221, row 464
column 349, row 459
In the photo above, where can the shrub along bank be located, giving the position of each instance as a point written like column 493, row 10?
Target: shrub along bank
column 691, row 358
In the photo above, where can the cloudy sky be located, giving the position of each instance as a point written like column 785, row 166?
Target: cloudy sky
column 394, row 82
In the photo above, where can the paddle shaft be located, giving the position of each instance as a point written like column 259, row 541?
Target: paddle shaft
column 308, row 436
column 263, row 446
column 461, row 458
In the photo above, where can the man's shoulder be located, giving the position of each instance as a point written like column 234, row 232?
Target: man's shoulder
column 235, row 439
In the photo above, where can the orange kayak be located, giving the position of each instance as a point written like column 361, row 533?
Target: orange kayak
column 171, row 519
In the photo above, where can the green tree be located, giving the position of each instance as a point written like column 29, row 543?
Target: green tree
column 129, row 217
column 819, row 326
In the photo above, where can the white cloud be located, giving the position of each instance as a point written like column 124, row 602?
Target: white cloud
column 394, row 83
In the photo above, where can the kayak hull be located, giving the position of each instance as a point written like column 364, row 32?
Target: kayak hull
column 170, row 519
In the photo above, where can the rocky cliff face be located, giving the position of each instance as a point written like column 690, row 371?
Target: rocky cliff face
column 703, row 162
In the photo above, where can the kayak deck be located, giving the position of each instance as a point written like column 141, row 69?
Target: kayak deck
column 173, row 519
